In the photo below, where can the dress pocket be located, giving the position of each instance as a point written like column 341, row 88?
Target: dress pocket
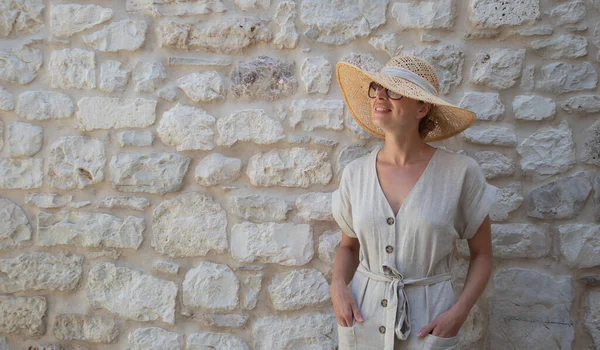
column 433, row 342
column 346, row 337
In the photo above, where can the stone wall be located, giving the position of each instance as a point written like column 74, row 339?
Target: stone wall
column 166, row 166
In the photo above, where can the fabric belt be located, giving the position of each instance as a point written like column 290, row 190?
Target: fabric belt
column 398, row 315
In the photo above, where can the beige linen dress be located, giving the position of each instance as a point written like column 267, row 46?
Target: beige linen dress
column 403, row 279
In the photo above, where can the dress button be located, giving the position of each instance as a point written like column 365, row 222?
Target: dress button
column 390, row 221
column 384, row 303
column 389, row 249
column 382, row 329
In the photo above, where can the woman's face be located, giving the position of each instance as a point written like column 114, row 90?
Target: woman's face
column 397, row 115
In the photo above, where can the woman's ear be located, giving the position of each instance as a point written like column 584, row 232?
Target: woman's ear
column 424, row 109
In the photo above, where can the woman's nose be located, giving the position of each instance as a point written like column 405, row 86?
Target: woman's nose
column 381, row 93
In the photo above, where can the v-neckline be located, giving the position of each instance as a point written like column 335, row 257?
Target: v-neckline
column 378, row 184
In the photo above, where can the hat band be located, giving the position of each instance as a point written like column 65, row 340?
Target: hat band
column 410, row 76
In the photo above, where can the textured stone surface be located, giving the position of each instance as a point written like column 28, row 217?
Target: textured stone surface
column 582, row 104
column 148, row 75
column 44, row 105
column 211, row 286
column 591, row 147
column 316, row 74
column 69, row 19
column 216, row 169
column 20, row 17
column 511, row 241
column 560, row 199
column 487, row 105
column 439, row 14
column 317, row 114
column 250, row 288
column 72, row 69
column 568, row 13
column 227, row 36
column 364, row 61
column 491, row 135
column 448, row 61
column 202, row 87
column 125, row 35
column 113, row 76
column 528, row 78
column 496, row 13
column 388, row 42
column 309, row 331
column 494, row 164
column 341, row 21
column 597, row 198
column 561, row 46
column 314, row 206
column 299, row 288
column 249, row 125
column 537, row 315
column 154, row 338
column 508, row 199
column 592, row 315
column 135, row 138
column 210, row 340
column 131, row 294
column 76, row 162
column 329, row 243
column 294, row 167
column 579, row 244
column 41, row 271
column 192, row 224
column 287, row 37
column 15, row 229
column 48, row 200
column 259, row 208
column 497, row 68
column 89, row 229
column 21, row 173
column 23, row 315
column 217, row 320
column 156, row 173
column 549, row 151
column 532, row 107
column 125, row 202
column 187, row 128
column 24, row 139
column 93, row 329
column 7, row 101
column 263, row 78
column 176, row 7
column 166, row 267
column 562, row 77
column 20, row 65
column 285, row 244
column 114, row 113
column 247, row 5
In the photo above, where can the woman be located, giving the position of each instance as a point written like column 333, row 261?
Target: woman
column 400, row 209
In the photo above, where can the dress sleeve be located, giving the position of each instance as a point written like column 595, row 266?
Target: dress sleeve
column 341, row 207
column 476, row 200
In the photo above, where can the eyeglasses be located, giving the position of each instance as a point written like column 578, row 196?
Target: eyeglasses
column 374, row 89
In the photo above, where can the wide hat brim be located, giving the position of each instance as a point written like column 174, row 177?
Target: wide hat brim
column 449, row 119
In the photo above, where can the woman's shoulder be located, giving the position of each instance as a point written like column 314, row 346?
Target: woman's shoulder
column 359, row 165
column 458, row 160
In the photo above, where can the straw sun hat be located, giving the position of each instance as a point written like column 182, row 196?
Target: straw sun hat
column 409, row 76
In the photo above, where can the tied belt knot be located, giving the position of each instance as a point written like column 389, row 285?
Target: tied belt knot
column 397, row 314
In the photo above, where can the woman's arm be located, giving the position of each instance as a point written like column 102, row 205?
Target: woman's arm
column 344, row 266
column 480, row 268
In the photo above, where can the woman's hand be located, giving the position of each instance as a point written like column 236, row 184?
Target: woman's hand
column 344, row 305
column 446, row 325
